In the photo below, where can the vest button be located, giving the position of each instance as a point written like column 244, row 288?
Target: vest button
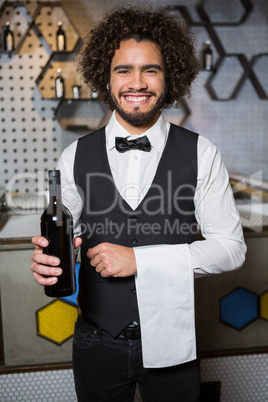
column 133, row 290
column 133, row 240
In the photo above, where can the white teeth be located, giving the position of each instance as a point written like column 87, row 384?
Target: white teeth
column 137, row 98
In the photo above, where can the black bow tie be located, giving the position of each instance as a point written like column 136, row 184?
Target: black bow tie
column 122, row 144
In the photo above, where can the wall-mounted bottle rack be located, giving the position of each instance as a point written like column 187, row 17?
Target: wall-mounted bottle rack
column 16, row 14
column 46, row 80
column 245, row 67
column 46, row 21
column 45, row 24
column 73, row 114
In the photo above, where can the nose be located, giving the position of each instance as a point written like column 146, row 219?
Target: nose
column 137, row 81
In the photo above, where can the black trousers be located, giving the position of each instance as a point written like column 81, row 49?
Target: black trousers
column 108, row 369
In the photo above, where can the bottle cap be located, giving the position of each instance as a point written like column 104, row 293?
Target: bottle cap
column 60, row 23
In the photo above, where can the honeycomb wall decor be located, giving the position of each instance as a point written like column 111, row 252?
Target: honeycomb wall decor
column 71, row 114
column 235, row 14
column 241, row 307
column 55, row 321
column 246, row 66
column 246, row 72
column 264, row 306
column 46, row 18
column 20, row 23
column 46, row 80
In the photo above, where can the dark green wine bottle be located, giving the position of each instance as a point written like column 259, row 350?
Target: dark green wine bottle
column 57, row 227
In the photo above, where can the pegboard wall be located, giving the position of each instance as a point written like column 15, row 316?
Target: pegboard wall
column 32, row 131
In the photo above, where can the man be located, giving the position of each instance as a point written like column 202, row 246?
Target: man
column 138, row 205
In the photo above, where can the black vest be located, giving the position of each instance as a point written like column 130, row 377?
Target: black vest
column 164, row 216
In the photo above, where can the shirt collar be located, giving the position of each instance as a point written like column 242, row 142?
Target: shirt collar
column 157, row 134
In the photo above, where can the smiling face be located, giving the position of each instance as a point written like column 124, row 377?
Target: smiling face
column 137, row 84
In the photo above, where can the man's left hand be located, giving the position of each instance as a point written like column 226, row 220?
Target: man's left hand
column 113, row 260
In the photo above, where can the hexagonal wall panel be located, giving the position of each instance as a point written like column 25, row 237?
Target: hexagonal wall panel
column 239, row 308
column 223, row 84
column 46, row 80
column 260, row 68
column 55, row 321
column 46, row 19
column 82, row 115
column 235, row 13
column 19, row 18
column 264, row 306
column 210, row 15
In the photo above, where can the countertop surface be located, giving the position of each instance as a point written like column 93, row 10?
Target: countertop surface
column 17, row 229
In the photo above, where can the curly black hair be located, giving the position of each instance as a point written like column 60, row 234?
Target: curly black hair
column 172, row 36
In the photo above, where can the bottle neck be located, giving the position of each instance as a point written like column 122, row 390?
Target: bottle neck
column 55, row 199
column 55, row 189
column 55, row 204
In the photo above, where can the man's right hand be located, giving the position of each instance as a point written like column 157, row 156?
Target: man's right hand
column 45, row 268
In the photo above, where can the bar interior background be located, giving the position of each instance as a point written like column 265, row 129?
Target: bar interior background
column 228, row 105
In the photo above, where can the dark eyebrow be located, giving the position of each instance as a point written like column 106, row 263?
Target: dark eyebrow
column 131, row 67
column 155, row 66
column 123, row 67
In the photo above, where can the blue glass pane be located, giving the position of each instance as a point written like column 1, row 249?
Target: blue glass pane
column 239, row 308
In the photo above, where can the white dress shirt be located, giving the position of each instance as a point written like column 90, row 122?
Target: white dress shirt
column 165, row 273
